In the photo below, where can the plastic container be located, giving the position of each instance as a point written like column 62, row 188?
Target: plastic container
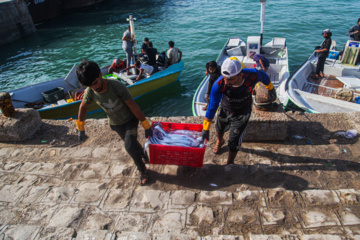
column 6, row 106
column 175, row 155
column 54, row 95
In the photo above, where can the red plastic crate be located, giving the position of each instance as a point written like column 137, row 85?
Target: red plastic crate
column 175, row 155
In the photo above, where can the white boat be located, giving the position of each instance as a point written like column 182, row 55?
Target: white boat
column 335, row 92
column 275, row 51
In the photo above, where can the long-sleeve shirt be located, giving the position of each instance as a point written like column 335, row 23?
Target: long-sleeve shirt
column 352, row 30
column 235, row 99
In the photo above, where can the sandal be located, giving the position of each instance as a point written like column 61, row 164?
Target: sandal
column 218, row 145
column 144, row 178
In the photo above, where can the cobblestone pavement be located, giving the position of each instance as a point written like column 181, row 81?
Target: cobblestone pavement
column 301, row 188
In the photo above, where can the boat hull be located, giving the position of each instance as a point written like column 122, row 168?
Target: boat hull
column 70, row 110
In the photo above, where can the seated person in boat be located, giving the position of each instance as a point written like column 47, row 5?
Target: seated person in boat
column 323, row 53
column 261, row 61
column 117, row 66
column 233, row 91
column 173, row 54
column 143, row 68
column 144, row 46
column 354, row 31
column 122, row 111
column 214, row 72
column 151, row 53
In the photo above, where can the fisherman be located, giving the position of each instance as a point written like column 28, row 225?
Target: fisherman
column 323, row 53
column 122, row 111
column 262, row 63
column 234, row 90
column 116, row 66
column 151, row 53
column 144, row 46
column 127, row 46
column 214, row 72
column 173, row 54
column 354, row 31
column 143, row 68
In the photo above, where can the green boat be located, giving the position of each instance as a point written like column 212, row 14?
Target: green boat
column 57, row 103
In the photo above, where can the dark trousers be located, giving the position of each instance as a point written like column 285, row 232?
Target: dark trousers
column 128, row 133
column 320, row 65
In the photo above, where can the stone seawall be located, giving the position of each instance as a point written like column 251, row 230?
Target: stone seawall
column 15, row 21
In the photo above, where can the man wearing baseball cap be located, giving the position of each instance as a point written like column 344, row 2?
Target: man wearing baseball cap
column 234, row 90
column 323, row 53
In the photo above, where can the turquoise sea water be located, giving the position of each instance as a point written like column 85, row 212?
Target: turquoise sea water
column 199, row 28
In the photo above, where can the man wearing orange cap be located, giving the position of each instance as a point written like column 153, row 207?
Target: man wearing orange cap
column 233, row 91
column 122, row 111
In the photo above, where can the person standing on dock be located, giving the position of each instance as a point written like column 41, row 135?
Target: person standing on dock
column 127, row 46
column 354, row 31
column 122, row 111
column 234, row 90
column 323, row 53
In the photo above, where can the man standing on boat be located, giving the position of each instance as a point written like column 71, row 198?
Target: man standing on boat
column 122, row 111
column 234, row 90
column 323, row 53
column 214, row 72
column 127, row 46
column 354, row 31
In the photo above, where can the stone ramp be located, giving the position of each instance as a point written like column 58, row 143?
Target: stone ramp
column 299, row 188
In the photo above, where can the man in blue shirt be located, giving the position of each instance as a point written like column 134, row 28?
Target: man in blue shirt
column 233, row 91
column 261, row 62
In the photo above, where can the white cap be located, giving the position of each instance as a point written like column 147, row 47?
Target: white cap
column 230, row 68
column 326, row 30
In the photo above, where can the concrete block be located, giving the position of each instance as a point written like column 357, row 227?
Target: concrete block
column 90, row 193
column 149, row 201
column 57, row 233
column 10, row 193
column 169, row 222
column 65, row 216
column 266, row 126
column 219, row 197
column 21, row 126
column 349, row 196
column 21, row 232
column 181, row 199
column 244, row 215
column 135, row 222
column 320, row 197
column 117, row 199
column 95, row 171
column 348, row 217
column 203, row 214
column 94, row 234
column 318, row 218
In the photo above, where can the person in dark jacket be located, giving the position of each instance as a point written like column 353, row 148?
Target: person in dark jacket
column 214, row 72
column 323, row 53
column 354, row 31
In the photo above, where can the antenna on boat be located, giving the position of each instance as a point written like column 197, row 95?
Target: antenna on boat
column 131, row 20
column 262, row 19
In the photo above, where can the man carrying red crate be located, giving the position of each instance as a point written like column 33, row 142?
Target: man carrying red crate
column 234, row 89
column 122, row 111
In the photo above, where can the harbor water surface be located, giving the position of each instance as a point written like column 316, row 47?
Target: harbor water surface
column 199, row 28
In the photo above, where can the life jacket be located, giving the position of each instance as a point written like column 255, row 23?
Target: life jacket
column 115, row 67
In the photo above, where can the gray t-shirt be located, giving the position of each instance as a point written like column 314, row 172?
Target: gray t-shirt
column 112, row 101
column 127, row 44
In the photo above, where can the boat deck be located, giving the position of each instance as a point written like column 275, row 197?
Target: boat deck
column 327, row 86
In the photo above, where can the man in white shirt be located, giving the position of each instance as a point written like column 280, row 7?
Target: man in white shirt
column 173, row 54
column 143, row 68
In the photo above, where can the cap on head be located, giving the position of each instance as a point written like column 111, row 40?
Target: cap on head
column 117, row 61
column 251, row 53
column 326, row 30
column 231, row 67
